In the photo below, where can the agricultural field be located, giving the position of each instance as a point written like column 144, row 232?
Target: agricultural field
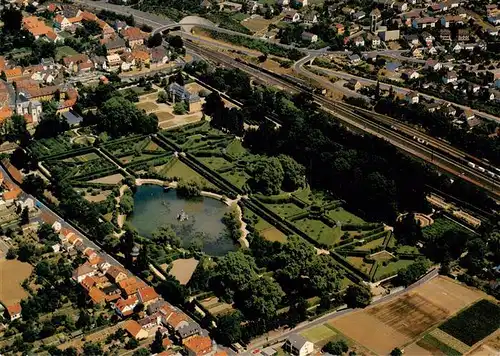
column 12, row 274
column 402, row 321
column 475, row 323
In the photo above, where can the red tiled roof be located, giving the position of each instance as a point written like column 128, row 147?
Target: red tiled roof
column 97, row 295
column 14, row 309
column 199, row 345
column 147, row 294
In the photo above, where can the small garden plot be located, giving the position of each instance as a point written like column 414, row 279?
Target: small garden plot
column 319, row 231
column 215, row 306
column 215, row 163
column 475, row 323
column 82, row 158
column 164, row 116
column 237, row 176
column 360, row 264
column 285, row 210
column 391, row 269
column 342, row 215
column 95, row 195
column 371, row 244
column 407, row 249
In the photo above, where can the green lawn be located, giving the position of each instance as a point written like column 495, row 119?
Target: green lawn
column 319, row 333
column 407, row 249
column 236, row 149
column 311, row 197
column 442, row 225
column 239, row 16
column 339, row 214
column 183, row 171
column 358, row 263
column 319, row 231
column 285, row 210
column 392, row 268
column 371, row 244
column 237, row 177
column 215, row 163
column 64, row 51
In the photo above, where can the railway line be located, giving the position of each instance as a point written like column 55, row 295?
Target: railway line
column 408, row 139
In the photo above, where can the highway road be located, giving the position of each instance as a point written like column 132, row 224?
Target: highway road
column 299, row 68
column 435, row 152
column 270, row 340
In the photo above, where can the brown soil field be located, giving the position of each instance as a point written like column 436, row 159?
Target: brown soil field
column 400, row 321
column 12, row 274
column 488, row 347
column 147, row 106
column 164, row 116
column 112, row 179
column 183, row 269
column 273, row 234
column 97, row 198
column 410, row 315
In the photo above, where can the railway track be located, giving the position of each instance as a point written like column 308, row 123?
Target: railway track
column 432, row 150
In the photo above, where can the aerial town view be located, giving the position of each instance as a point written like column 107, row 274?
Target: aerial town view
column 264, row 178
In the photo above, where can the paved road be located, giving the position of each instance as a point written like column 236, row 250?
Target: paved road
column 50, row 216
column 260, row 342
column 299, row 68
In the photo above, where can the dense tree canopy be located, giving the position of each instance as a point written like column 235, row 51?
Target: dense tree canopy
column 268, row 175
column 119, row 117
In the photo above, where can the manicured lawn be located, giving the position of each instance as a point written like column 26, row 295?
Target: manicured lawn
column 239, row 16
column 236, row 149
column 359, row 263
column 407, row 249
column 215, row 163
column 311, row 197
column 319, row 231
column 181, row 170
column 339, row 214
column 371, row 244
column 273, row 234
column 392, row 268
column 285, row 209
column 64, row 51
column 319, row 333
column 238, row 177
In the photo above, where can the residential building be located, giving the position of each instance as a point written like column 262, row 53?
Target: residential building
column 134, row 36
column 310, row 17
column 359, row 41
column 131, row 285
column 340, row 28
column 450, row 77
column 445, row 35
column 358, row 15
column 147, row 295
column 199, row 346
column 135, row 330
column 188, row 330
column 14, row 311
column 309, row 37
column 298, row 345
column 291, row 16
column 354, row 59
column 115, row 45
column 427, row 38
column 400, row 6
column 412, row 39
column 83, row 271
column 159, row 56
column 463, row 35
column 125, row 307
column 424, row 22
column 113, row 61
column 354, row 84
column 433, row 65
column 412, row 98
column 116, row 274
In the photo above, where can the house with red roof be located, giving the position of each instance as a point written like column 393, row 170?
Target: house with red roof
column 14, row 311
